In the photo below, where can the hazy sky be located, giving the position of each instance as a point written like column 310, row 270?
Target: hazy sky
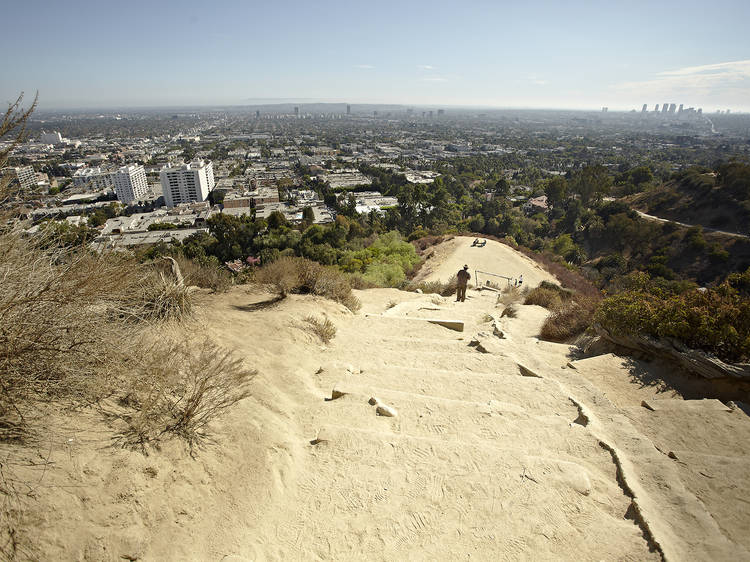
column 557, row 53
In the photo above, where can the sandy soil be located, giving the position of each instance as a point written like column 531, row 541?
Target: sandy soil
column 503, row 447
column 451, row 256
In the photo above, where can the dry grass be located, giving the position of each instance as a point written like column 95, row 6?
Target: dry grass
column 436, row 287
column 299, row 275
column 67, row 320
column 547, row 298
column 179, row 388
column 205, row 276
column 510, row 311
column 160, row 298
column 324, row 329
column 510, row 295
column 59, row 328
column 570, row 320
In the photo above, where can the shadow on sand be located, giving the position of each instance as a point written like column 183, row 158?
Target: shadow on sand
column 252, row 307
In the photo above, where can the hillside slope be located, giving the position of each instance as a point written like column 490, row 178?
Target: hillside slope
column 502, row 447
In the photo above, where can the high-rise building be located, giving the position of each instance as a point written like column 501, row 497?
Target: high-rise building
column 296, row 111
column 644, row 108
column 664, row 107
column 348, row 109
column 700, row 111
column 24, row 176
column 257, row 113
column 186, row 183
column 672, row 107
column 680, row 110
column 656, row 108
column 728, row 111
column 605, row 109
column 441, row 112
column 130, row 183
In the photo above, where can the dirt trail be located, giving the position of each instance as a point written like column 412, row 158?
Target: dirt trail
column 502, row 447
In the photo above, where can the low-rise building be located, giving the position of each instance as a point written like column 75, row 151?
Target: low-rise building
column 93, row 178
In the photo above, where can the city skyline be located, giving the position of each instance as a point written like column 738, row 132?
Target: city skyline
column 577, row 56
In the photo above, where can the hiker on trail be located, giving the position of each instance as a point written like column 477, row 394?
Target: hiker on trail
column 463, row 277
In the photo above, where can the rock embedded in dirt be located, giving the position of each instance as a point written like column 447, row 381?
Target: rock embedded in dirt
column 386, row 411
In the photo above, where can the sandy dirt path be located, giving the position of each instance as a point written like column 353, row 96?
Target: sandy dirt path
column 503, row 447
column 494, row 257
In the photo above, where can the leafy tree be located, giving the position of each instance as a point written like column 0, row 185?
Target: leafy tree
column 591, row 183
column 308, row 215
column 556, row 190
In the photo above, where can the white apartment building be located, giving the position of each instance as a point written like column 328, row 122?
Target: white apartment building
column 130, row 183
column 186, row 183
column 93, row 178
column 24, row 175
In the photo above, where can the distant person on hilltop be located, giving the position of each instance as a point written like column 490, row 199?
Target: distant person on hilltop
column 463, row 277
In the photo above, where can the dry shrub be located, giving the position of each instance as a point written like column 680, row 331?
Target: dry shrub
column 58, row 337
column 570, row 320
column 282, row 276
column 160, row 298
column 291, row 274
column 205, row 276
column 324, row 329
column 425, row 242
column 179, row 388
column 548, row 298
column 510, row 311
column 444, row 289
column 510, row 295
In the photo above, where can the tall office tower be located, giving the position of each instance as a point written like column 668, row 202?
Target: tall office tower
column 700, row 111
column 728, row 111
column 23, row 175
column 257, row 113
column 664, row 107
column 672, row 107
column 644, row 108
column 130, row 183
column 656, row 108
column 348, row 109
column 605, row 109
column 296, row 111
column 186, row 183
column 423, row 114
column 430, row 114
column 680, row 110
column 441, row 112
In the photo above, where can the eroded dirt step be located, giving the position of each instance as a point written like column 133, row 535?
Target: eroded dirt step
column 459, row 361
column 495, row 422
column 534, row 394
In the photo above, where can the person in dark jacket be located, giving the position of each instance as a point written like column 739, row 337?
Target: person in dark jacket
column 463, row 277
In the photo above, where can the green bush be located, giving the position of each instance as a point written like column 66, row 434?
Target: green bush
column 713, row 320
